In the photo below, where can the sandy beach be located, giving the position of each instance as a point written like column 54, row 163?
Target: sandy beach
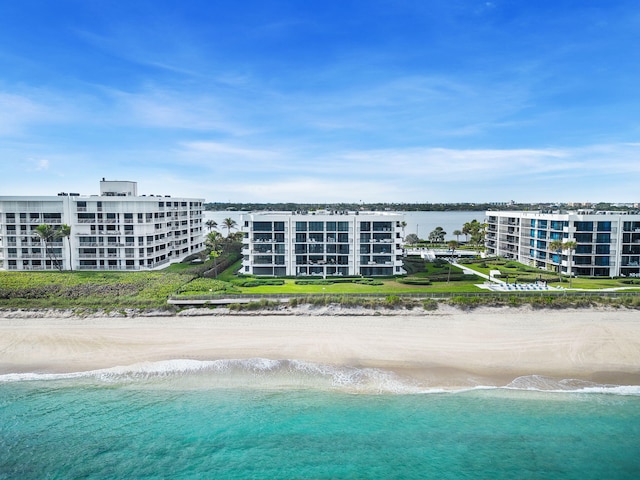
column 448, row 348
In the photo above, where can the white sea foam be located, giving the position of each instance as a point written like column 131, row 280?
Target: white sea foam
column 542, row 383
column 285, row 374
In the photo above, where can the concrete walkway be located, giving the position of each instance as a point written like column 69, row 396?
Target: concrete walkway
column 497, row 285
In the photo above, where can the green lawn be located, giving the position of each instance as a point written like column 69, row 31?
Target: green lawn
column 118, row 290
column 512, row 273
column 388, row 287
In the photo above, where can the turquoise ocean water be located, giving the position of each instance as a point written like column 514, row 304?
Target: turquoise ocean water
column 288, row 420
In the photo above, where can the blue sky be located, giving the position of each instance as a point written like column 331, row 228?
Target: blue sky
column 314, row 101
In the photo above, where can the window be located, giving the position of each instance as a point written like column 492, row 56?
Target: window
column 603, row 249
column 278, row 226
column 365, row 226
column 604, row 226
column 583, row 226
column 261, row 226
column 603, row 238
column 602, row 261
column 332, row 226
column 583, row 249
column 343, row 226
column 316, row 226
column 301, row 226
column 583, row 237
column 316, row 248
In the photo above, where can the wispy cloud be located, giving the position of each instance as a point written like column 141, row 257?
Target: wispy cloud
column 41, row 164
column 18, row 112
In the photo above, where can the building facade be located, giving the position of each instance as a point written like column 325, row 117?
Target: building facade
column 607, row 243
column 322, row 244
column 116, row 230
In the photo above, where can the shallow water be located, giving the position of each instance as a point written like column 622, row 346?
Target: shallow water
column 265, row 419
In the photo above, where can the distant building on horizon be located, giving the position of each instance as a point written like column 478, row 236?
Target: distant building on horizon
column 608, row 243
column 116, row 230
column 330, row 243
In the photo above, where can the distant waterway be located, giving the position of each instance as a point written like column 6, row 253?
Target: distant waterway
column 420, row 223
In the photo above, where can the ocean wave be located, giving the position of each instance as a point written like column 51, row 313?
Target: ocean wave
column 295, row 374
column 253, row 372
column 541, row 383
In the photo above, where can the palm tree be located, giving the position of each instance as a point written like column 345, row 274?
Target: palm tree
column 211, row 224
column 214, row 243
column 412, row 239
column 229, row 223
column 437, row 235
column 457, row 233
column 569, row 247
column 65, row 232
column 214, row 240
column 403, row 225
column 556, row 246
column 452, row 246
column 466, row 231
column 48, row 234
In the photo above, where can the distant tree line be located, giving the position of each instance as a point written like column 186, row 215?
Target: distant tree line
column 408, row 207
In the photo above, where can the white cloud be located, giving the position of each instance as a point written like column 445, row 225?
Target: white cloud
column 173, row 109
column 41, row 164
column 20, row 111
column 218, row 148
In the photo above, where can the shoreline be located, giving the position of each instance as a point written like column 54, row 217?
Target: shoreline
column 449, row 347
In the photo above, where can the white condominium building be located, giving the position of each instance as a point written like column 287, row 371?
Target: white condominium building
column 116, row 230
column 607, row 243
column 322, row 244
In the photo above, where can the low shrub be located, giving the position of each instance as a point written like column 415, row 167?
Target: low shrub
column 368, row 281
column 262, row 304
column 414, row 281
column 313, row 282
column 430, row 304
column 393, row 300
column 258, row 282
column 453, row 277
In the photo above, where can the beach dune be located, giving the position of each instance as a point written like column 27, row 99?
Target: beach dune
column 447, row 348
